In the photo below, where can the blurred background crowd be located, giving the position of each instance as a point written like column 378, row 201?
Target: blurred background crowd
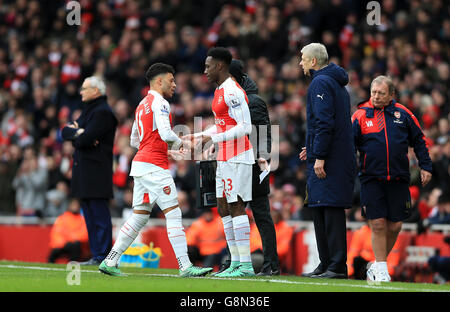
column 43, row 62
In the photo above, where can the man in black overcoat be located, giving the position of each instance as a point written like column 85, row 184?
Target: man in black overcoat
column 92, row 135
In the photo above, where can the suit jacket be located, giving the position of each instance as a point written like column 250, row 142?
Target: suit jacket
column 92, row 165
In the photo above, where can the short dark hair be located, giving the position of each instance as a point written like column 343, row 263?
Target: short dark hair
column 158, row 69
column 221, row 54
column 237, row 70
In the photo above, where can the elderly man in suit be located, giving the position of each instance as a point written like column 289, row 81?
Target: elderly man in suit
column 92, row 135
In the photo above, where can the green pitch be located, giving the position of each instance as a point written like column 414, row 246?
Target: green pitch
column 31, row 277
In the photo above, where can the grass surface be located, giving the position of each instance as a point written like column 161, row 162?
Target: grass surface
column 33, row 277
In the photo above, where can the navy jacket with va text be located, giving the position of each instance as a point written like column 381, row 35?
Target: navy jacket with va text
column 382, row 137
column 329, row 137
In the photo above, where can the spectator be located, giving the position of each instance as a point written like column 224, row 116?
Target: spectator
column 57, row 200
column 30, row 184
column 39, row 53
column 441, row 213
column 441, row 265
column 7, row 191
column 284, row 234
column 69, row 234
column 206, row 240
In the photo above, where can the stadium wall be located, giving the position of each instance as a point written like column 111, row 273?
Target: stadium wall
column 30, row 242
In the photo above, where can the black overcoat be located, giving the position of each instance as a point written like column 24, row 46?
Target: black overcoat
column 93, row 163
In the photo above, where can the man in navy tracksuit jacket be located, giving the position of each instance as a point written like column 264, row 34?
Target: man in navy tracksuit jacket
column 330, row 158
column 383, row 130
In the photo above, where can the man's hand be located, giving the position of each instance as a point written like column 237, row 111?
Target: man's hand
column 189, row 137
column 208, row 154
column 186, row 144
column 319, row 168
column 177, row 154
column 425, row 177
column 205, row 138
column 302, row 154
column 263, row 164
column 79, row 132
column 73, row 125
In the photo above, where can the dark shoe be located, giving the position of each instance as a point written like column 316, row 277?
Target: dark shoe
column 331, row 274
column 225, row 265
column 269, row 273
column 314, row 273
column 91, row 261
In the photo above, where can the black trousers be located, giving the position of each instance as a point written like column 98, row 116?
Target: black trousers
column 261, row 213
column 331, row 237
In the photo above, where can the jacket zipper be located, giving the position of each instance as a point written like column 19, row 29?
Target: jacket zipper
column 387, row 145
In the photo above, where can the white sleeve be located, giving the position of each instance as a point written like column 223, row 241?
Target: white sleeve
column 134, row 137
column 161, row 113
column 239, row 111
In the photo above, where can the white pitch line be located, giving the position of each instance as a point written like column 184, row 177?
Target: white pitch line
column 379, row 287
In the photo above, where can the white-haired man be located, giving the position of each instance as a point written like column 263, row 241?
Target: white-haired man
column 330, row 158
column 92, row 135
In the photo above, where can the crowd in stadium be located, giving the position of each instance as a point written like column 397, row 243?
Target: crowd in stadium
column 43, row 62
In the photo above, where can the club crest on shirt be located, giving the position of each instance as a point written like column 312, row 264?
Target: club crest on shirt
column 167, row 190
column 220, row 99
column 397, row 115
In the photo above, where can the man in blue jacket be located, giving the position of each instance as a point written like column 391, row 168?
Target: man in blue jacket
column 92, row 135
column 383, row 130
column 330, row 157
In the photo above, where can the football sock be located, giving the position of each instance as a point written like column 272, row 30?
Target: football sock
column 177, row 237
column 241, row 227
column 229, row 236
column 381, row 266
column 128, row 233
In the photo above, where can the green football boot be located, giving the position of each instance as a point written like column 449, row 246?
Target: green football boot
column 194, row 271
column 233, row 265
column 244, row 270
column 109, row 270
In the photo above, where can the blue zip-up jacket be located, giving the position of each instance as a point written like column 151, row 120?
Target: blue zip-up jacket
column 382, row 137
column 329, row 137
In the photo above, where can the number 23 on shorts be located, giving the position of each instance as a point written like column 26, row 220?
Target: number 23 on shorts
column 230, row 185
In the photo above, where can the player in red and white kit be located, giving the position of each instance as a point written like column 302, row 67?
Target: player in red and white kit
column 234, row 159
column 153, row 183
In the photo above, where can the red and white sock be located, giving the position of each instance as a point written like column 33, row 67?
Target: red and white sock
column 229, row 236
column 177, row 237
column 128, row 233
column 241, row 227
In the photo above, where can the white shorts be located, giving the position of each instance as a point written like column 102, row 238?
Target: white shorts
column 233, row 179
column 155, row 187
